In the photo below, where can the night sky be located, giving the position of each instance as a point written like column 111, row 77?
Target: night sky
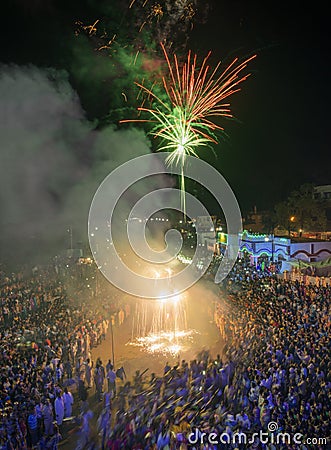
column 282, row 140
column 281, row 137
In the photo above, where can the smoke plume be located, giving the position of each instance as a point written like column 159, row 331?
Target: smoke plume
column 52, row 159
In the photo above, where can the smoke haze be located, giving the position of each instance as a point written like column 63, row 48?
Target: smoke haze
column 52, row 159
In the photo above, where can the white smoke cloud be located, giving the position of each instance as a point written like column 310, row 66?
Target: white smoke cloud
column 51, row 162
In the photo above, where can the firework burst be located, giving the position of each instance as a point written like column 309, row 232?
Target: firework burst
column 194, row 97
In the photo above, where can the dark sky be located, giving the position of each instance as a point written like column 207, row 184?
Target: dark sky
column 281, row 138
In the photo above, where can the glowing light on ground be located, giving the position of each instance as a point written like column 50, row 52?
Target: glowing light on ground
column 165, row 343
column 160, row 326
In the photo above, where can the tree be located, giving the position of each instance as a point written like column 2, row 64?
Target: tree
column 284, row 215
column 300, row 211
column 309, row 213
column 270, row 221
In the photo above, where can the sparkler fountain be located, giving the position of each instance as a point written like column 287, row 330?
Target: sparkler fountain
column 161, row 325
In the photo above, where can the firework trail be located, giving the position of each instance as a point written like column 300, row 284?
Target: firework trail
column 194, row 96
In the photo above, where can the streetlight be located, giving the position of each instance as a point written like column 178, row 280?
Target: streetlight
column 292, row 219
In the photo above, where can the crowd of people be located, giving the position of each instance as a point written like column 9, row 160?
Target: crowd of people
column 274, row 369
column 47, row 334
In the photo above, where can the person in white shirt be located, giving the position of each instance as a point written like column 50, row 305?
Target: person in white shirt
column 59, row 409
column 68, row 402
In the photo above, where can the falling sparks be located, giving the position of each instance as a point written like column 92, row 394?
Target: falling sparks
column 160, row 327
column 91, row 29
column 157, row 11
column 185, row 9
column 108, row 44
column 134, row 1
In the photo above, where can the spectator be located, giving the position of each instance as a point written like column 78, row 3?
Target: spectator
column 59, row 408
column 68, row 400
